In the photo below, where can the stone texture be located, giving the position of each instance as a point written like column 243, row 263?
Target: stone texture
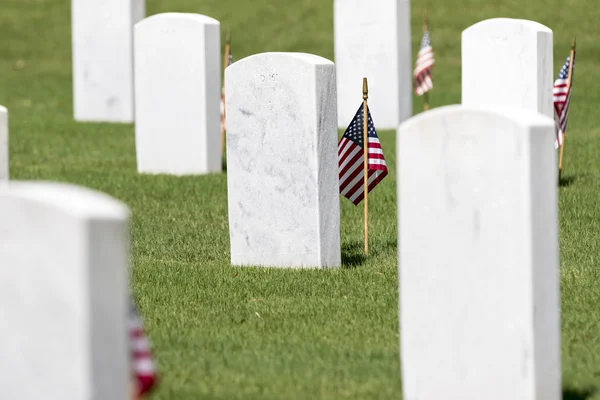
column 373, row 41
column 508, row 63
column 3, row 144
column 102, row 35
column 282, row 171
column 178, row 91
column 63, row 293
column 478, row 255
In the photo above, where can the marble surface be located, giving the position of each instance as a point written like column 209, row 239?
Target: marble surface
column 508, row 63
column 283, row 188
column 102, row 40
column 63, row 293
column 374, row 42
column 3, row 144
column 178, row 92
column 478, row 255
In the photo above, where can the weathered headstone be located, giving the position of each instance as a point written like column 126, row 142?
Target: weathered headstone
column 3, row 144
column 508, row 63
column 178, row 90
column 63, row 293
column 373, row 41
column 478, row 255
column 102, row 35
column 282, row 167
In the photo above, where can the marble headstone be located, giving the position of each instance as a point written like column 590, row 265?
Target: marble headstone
column 178, row 92
column 373, row 41
column 102, row 36
column 63, row 293
column 3, row 144
column 508, row 63
column 282, row 168
column 478, row 255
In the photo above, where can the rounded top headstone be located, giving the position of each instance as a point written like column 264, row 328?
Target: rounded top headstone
column 517, row 116
column 70, row 199
column 311, row 59
column 493, row 24
column 176, row 16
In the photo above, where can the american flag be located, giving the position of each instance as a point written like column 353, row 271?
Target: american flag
column 562, row 97
column 351, row 160
column 142, row 362
column 425, row 60
column 229, row 62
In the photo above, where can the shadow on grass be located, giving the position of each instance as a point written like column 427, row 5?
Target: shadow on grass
column 567, row 180
column 577, row 394
column 224, row 163
column 353, row 255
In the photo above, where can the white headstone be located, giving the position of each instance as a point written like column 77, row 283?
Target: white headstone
column 178, row 90
column 282, row 167
column 102, row 34
column 373, row 41
column 478, row 256
column 63, row 293
column 3, row 144
column 508, row 63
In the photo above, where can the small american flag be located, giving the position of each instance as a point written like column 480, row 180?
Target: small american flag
column 425, row 60
column 562, row 97
column 351, row 160
column 229, row 62
column 141, row 362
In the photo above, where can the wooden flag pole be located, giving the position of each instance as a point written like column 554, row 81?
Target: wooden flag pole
column 227, row 51
column 366, row 162
column 562, row 148
column 426, row 94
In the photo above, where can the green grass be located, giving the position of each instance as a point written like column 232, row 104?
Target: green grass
column 227, row 333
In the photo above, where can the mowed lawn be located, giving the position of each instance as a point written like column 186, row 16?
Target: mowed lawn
column 220, row 332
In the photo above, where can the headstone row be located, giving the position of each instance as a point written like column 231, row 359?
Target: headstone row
column 504, row 61
column 372, row 42
column 283, row 195
column 169, row 63
column 477, row 227
column 477, row 206
column 477, row 209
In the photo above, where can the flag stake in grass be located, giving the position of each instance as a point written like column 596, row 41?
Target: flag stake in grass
column 360, row 152
column 565, row 107
column 366, row 162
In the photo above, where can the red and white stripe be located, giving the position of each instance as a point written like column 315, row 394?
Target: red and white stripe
column 562, row 97
column 423, row 83
column 422, row 73
column 351, row 168
column 142, row 362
